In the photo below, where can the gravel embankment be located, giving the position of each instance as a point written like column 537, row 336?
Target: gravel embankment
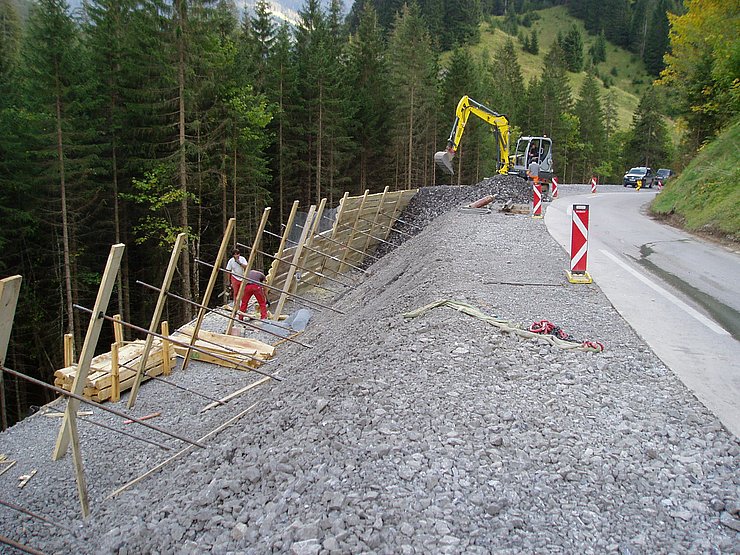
column 438, row 434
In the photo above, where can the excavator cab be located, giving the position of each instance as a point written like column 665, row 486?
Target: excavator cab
column 528, row 149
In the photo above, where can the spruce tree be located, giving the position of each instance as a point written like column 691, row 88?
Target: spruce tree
column 572, row 45
column 368, row 71
column 50, row 52
column 648, row 143
column 657, row 41
column 590, row 114
column 412, row 80
column 463, row 78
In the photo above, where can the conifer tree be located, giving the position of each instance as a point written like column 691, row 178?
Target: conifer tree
column 368, row 71
column 49, row 66
column 412, row 79
column 590, row 114
column 656, row 42
column 572, row 45
column 648, row 144
column 462, row 77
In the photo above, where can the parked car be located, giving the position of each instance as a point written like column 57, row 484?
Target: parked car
column 663, row 174
column 640, row 173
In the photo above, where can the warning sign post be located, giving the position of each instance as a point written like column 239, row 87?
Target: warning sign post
column 579, row 245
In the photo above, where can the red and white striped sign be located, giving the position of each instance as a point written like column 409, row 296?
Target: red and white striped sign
column 554, row 187
column 536, row 200
column 579, row 239
column 593, row 184
column 660, row 184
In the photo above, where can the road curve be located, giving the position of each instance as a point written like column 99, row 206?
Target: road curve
column 678, row 292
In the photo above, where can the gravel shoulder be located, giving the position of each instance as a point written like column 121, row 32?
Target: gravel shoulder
column 437, row 434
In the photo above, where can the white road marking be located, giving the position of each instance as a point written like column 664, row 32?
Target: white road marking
column 669, row 296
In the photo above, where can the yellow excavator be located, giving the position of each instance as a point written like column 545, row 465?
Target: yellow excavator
column 527, row 148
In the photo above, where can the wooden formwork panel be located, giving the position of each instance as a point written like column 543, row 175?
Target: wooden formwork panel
column 363, row 221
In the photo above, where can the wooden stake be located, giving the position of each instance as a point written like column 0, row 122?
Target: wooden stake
column 115, row 383
column 250, row 262
column 279, row 254
column 88, row 347
column 209, row 289
column 69, row 350
column 296, row 258
column 157, row 315
column 118, row 329
column 9, row 290
column 353, row 232
column 166, row 353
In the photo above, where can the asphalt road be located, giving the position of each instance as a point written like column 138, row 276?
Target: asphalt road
column 681, row 294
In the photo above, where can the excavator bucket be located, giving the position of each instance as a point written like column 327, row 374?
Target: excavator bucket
column 443, row 159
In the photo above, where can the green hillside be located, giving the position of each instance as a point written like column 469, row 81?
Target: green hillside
column 706, row 196
column 624, row 68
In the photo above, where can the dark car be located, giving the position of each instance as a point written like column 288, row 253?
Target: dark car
column 663, row 174
column 640, row 173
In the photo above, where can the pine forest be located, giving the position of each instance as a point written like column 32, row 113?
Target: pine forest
column 130, row 121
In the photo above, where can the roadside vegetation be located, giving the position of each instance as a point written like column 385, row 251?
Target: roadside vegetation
column 705, row 197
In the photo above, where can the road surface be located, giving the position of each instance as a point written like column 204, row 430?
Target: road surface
column 681, row 294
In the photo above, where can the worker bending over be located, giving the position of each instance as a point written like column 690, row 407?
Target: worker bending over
column 236, row 266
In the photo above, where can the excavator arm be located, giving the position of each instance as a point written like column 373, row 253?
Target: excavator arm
column 500, row 124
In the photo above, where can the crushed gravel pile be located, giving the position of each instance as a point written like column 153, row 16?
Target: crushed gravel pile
column 434, row 434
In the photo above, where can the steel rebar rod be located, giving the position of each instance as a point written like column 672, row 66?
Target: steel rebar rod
column 363, row 253
column 391, row 228
column 229, row 317
column 409, row 224
column 277, row 289
column 34, row 515
column 366, row 233
column 82, row 399
column 339, row 281
column 181, row 343
column 129, row 434
column 173, row 384
column 20, row 546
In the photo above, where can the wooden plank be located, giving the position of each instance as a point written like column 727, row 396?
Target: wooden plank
column 166, row 349
column 250, row 263
column 118, row 329
column 209, row 289
column 296, row 257
column 230, row 341
column 115, row 384
column 88, row 348
column 230, row 396
column 352, row 234
column 10, row 288
column 281, row 249
column 69, row 349
column 154, row 324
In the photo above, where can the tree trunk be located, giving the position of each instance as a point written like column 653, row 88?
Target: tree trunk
column 411, row 140
column 65, row 222
column 319, row 138
column 183, row 170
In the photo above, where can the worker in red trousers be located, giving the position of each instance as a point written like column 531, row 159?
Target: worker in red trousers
column 236, row 266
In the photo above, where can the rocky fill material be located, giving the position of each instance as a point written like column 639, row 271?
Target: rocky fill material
column 437, row 434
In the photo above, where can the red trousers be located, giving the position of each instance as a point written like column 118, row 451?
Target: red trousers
column 249, row 290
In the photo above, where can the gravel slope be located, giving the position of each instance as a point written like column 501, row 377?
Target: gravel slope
column 437, row 434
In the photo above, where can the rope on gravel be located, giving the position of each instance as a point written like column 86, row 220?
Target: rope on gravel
column 508, row 326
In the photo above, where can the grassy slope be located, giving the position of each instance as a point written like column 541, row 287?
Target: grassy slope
column 706, row 196
column 629, row 83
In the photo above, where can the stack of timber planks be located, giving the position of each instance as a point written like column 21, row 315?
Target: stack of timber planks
column 228, row 351
column 100, row 378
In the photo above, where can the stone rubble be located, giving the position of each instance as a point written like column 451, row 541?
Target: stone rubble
column 437, row 434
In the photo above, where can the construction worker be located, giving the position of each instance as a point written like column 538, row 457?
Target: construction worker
column 236, row 266
column 255, row 279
